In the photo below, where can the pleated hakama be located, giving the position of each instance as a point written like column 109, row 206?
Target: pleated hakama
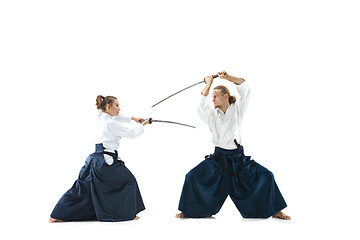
column 102, row 192
column 225, row 173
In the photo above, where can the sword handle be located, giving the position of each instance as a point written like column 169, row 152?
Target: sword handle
column 150, row 121
column 214, row 76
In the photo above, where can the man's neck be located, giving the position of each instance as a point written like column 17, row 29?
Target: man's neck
column 224, row 108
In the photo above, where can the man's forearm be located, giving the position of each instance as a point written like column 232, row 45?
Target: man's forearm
column 206, row 90
column 233, row 79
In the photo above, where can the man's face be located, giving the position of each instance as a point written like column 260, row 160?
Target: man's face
column 219, row 99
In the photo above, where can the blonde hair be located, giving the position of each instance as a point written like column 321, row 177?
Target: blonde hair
column 224, row 90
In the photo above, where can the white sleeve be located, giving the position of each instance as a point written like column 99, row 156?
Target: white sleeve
column 204, row 109
column 122, row 118
column 244, row 92
column 123, row 131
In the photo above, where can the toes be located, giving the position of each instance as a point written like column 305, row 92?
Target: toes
column 281, row 215
column 180, row 215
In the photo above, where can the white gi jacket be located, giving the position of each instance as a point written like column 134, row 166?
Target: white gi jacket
column 225, row 127
column 110, row 129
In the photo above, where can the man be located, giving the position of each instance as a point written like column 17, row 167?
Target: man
column 228, row 171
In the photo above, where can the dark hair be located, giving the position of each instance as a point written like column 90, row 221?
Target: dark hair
column 224, row 90
column 101, row 101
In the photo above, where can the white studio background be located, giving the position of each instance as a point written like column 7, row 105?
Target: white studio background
column 301, row 59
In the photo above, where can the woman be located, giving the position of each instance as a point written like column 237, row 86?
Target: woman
column 105, row 189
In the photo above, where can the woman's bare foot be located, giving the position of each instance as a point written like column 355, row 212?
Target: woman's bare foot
column 281, row 215
column 52, row 220
column 180, row 215
column 136, row 218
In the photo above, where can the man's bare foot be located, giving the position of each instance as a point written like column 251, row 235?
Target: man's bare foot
column 281, row 215
column 180, row 215
column 136, row 218
column 52, row 220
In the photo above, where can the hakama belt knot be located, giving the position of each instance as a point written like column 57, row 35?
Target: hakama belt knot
column 99, row 148
column 232, row 161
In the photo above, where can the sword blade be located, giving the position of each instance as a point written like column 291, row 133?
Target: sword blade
column 176, row 93
column 182, row 124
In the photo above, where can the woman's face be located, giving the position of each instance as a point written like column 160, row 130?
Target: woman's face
column 114, row 109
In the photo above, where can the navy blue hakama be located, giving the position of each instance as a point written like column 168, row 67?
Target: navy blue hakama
column 251, row 186
column 101, row 192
